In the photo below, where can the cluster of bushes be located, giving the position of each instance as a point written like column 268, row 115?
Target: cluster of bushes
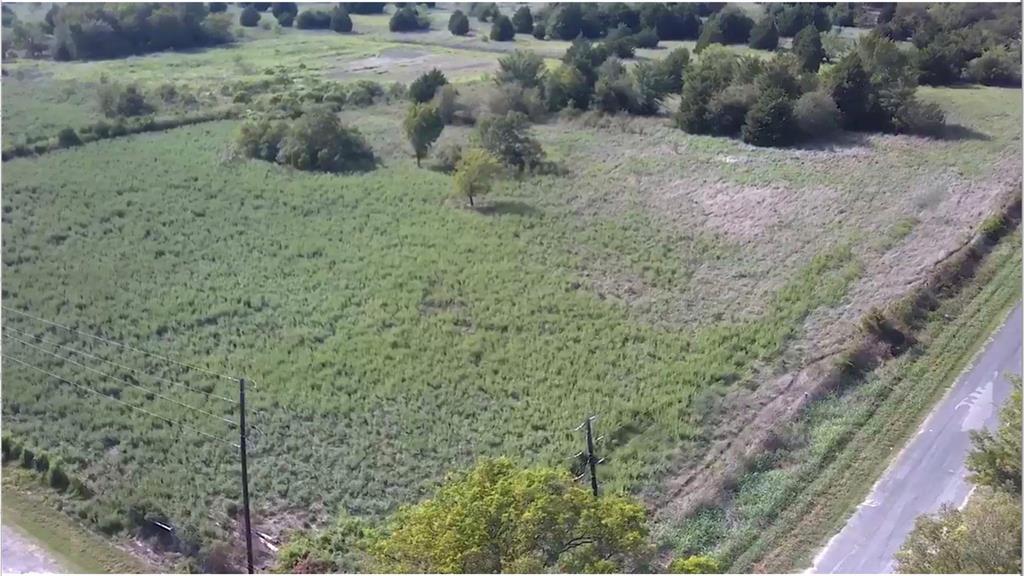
column 50, row 468
column 956, row 42
column 316, row 141
column 590, row 75
column 102, row 130
column 782, row 101
column 337, row 20
column 122, row 101
column 93, row 31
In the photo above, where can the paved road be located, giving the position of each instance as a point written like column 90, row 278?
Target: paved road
column 22, row 554
column 930, row 471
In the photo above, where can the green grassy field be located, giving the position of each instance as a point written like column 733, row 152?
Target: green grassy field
column 395, row 334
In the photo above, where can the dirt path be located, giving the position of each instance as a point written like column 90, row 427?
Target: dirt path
column 22, row 554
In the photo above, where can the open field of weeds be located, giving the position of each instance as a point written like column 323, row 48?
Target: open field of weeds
column 393, row 333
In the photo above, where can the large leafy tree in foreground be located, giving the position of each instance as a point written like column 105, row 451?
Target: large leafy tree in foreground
column 501, row 518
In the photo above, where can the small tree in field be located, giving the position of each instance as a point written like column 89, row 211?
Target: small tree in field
column 502, row 29
column 458, row 23
column 423, row 125
column 249, row 17
column 523, row 20
column 340, row 20
column 807, row 46
column 475, row 173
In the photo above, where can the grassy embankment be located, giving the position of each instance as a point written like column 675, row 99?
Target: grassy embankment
column 28, row 506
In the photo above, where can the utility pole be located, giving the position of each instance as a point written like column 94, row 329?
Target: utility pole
column 245, row 473
column 590, row 458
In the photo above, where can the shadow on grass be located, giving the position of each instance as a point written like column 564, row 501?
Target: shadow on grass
column 958, row 132
column 838, row 141
column 513, row 207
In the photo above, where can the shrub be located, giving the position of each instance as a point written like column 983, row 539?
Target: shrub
column 621, row 47
column 57, row 478
column 735, row 25
column 407, row 19
column 791, row 18
column 816, row 114
column 249, row 17
column 448, row 156
column 509, row 139
column 710, row 34
column 364, row 93
column 765, row 35
column 614, row 89
column 996, row 67
column 280, row 8
column 110, row 524
column 422, row 126
column 672, row 67
column 993, row 227
column 458, row 23
column 842, row 14
column 539, row 31
column 340, row 20
column 695, row 565
column 502, row 29
column 522, row 67
column 770, row 121
column 313, row 20
column 702, row 81
column 516, row 98
column 564, row 86
column 28, row 458
column 671, row 22
column 646, row 38
column 217, row 7
column 585, row 57
column 261, row 138
column 286, row 19
column 727, row 110
column 67, row 138
column 423, row 88
column 475, row 174
column 807, row 46
column 523, row 20
column 484, row 12
column 922, row 118
column 565, row 22
column 319, row 141
column 648, row 88
column 445, row 102
column 122, row 101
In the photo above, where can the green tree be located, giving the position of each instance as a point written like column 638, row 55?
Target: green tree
column 565, row 85
column 671, row 69
column 340, row 20
column 983, row 538
column 523, row 67
column 250, row 17
column 423, row 126
column 423, row 88
column 319, row 141
column 565, row 21
column 500, row 518
column 816, row 115
column 458, row 23
column 710, row 34
column 523, row 20
column 502, row 29
column 770, row 121
column 508, row 138
column 807, row 46
column 765, row 35
column 709, row 76
column 475, row 173
column 995, row 459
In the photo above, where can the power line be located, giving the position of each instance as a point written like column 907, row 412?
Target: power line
column 119, row 401
column 126, row 383
column 125, row 346
column 122, row 366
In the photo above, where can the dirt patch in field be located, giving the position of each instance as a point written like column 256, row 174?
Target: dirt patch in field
column 405, row 64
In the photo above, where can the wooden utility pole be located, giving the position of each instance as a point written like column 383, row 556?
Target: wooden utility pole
column 589, row 456
column 245, row 474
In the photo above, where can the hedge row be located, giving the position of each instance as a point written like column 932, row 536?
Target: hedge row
column 49, row 467
column 102, row 130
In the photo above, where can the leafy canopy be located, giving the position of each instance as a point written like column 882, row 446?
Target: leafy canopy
column 500, row 518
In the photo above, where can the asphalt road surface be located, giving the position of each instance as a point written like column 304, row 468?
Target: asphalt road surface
column 22, row 554
column 930, row 471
